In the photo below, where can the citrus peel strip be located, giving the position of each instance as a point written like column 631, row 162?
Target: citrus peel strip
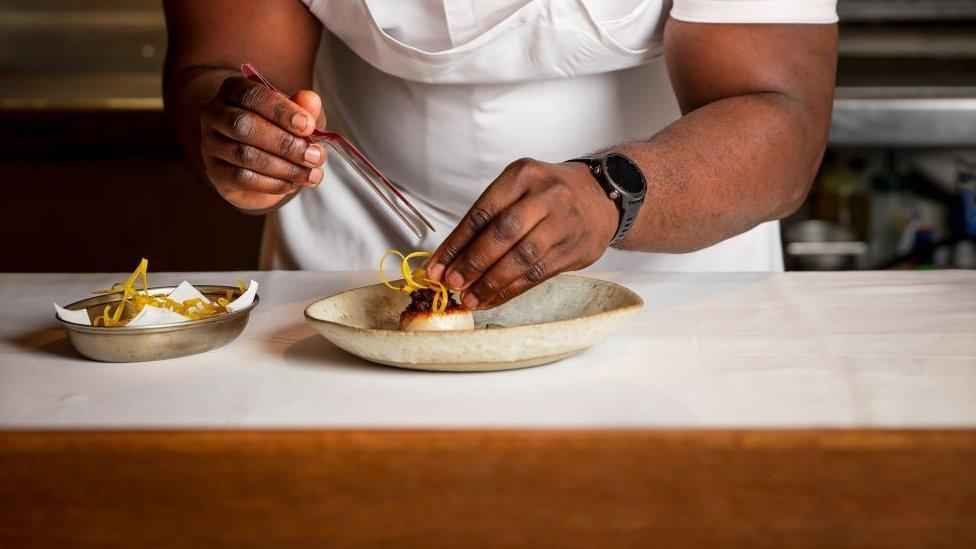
column 193, row 309
column 416, row 279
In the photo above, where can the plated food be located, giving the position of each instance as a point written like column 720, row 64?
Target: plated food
column 556, row 319
column 432, row 308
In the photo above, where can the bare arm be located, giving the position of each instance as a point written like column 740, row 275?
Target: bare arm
column 241, row 138
column 757, row 102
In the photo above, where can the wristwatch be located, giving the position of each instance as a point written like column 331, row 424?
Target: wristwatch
column 623, row 182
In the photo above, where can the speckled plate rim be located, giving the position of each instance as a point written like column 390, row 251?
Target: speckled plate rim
column 481, row 366
column 172, row 326
column 639, row 304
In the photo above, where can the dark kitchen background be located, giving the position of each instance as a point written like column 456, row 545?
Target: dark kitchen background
column 92, row 181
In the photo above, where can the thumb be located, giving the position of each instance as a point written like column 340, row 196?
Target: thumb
column 311, row 102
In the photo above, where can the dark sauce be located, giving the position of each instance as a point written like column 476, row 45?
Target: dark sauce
column 422, row 302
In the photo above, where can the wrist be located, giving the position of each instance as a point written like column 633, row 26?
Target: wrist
column 604, row 212
column 623, row 182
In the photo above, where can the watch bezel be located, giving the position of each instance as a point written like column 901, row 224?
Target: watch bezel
column 606, row 176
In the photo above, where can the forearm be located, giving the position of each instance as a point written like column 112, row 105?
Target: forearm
column 725, row 168
column 757, row 100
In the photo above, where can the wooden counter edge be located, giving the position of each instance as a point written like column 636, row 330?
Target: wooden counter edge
column 559, row 488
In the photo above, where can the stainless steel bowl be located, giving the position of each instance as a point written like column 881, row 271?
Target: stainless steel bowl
column 124, row 344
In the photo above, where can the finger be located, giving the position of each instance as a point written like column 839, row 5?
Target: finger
column 501, row 235
column 517, row 263
column 248, row 180
column 264, row 163
column 502, row 193
column 311, row 102
column 249, row 128
column 549, row 266
column 256, row 97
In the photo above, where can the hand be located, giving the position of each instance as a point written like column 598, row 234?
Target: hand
column 252, row 146
column 533, row 222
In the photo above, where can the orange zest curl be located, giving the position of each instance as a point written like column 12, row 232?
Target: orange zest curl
column 193, row 309
column 416, row 279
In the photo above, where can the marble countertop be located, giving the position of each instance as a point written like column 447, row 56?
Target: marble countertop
column 709, row 350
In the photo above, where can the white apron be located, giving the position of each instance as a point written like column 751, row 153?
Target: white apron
column 547, row 79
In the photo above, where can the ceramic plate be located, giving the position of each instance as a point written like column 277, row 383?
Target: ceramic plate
column 556, row 319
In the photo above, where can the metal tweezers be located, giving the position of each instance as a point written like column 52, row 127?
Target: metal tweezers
column 372, row 176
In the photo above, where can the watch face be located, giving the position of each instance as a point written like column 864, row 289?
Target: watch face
column 625, row 173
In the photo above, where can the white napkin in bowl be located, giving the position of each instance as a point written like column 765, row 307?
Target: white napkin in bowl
column 186, row 291
column 151, row 316
column 246, row 298
column 75, row 317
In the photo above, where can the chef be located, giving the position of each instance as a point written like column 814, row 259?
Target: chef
column 539, row 136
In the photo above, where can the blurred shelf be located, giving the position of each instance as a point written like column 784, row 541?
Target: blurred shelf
column 904, row 117
column 104, row 91
column 925, row 41
column 905, row 10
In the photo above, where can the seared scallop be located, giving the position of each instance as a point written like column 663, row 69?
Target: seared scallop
column 420, row 316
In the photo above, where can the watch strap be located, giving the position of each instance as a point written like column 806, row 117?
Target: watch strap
column 628, row 209
column 628, row 215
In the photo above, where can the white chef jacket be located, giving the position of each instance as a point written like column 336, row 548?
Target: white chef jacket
column 442, row 94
